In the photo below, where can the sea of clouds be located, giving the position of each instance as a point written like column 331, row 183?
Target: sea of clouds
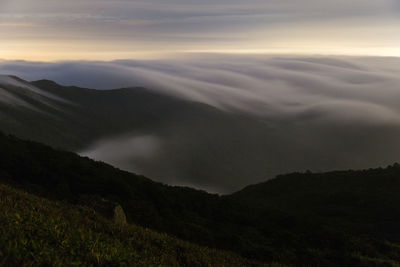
column 336, row 88
column 329, row 112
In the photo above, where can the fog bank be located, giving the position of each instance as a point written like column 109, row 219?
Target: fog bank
column 317, row 113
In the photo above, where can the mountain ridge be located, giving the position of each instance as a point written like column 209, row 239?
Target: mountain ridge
column 199, row 136
column 180, row 142
column 310, row 227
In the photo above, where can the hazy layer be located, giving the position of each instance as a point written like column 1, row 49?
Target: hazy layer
column 15, row 92
column 317, row 113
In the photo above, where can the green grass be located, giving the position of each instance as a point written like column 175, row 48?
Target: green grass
column 347, row 218
column 39, row 232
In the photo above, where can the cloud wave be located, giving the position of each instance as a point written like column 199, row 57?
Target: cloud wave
column 283, row 87
column 317, row 113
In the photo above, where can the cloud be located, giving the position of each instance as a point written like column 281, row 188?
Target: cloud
column 283, row 114
column 283, row 87
column 92, row 28
column 129, row 152
column 20, row 93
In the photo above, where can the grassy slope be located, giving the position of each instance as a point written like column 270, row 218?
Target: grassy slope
column 333, row 219
column 36, row 231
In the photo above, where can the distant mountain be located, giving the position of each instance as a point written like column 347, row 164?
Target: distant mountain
column 170, row 139
column 33, row 113
column 180, row 142
column 346, row 218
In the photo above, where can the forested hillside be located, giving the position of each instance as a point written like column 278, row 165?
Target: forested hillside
column 344, row 218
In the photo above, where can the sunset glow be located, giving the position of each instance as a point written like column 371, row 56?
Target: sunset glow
column 78, row 30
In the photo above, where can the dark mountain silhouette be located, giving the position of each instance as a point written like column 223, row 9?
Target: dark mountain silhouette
column 346, row 218
column 199, row 145
column 181, row 142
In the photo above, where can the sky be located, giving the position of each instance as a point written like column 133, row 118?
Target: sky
column 48, row 30
column 324, row 73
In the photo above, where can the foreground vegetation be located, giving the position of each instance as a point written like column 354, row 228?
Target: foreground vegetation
column 347, row 218
column 38, row 232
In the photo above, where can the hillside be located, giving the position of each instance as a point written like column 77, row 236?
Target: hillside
column 190, row 143
column 38, row 232
column 364, row 201
column 339, row 218
column 181, row 142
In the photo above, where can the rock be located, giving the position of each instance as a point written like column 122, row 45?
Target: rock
column 109, row 209
column 119, row 215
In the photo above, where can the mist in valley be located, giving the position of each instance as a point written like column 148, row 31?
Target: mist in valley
column 273, row 115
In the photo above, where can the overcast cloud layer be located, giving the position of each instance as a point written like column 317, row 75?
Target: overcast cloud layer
column 104, row 29
column 321, row 113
